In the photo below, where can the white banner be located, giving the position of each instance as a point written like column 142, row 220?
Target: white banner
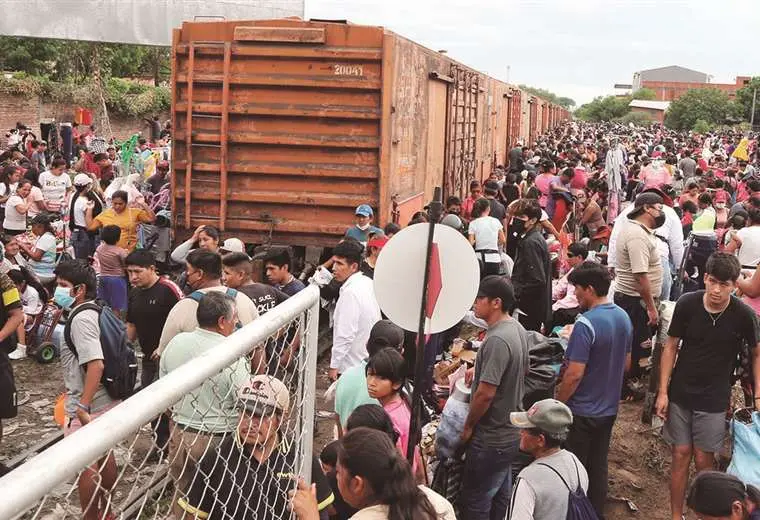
column 143, row 22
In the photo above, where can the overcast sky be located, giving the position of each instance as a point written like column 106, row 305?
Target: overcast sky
column 575, row 48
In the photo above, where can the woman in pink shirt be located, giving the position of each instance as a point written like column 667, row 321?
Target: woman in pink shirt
column 543, row 181
column 655, row 175
column 386, row 375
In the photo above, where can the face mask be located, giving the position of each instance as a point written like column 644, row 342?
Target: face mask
column 518, row 225
column 364, row 227
column 63, row 297
column 659, row 220
column 720, row 205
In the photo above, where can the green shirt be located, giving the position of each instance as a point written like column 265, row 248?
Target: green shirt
column 351, row 392
column 211, row 407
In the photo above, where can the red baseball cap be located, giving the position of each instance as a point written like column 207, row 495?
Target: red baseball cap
column 378, row 241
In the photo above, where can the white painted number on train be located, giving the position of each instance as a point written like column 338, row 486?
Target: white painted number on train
column 349, row 70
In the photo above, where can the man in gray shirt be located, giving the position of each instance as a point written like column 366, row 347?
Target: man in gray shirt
column 86, row 398
column 542, row 488
column 491, row 442
column 687, row 165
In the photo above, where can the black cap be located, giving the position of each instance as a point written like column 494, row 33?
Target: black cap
column 495, row 286
column 712, row 493
column 41, row 219
column 384, row 334
column 645, row 199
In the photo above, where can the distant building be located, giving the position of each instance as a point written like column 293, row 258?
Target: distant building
column 654, row 109
column 670, row 83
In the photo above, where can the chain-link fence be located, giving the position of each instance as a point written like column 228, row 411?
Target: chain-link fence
column 224, row 435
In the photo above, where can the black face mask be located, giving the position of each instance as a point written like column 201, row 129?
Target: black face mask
column 518, row 226
column 659, row 220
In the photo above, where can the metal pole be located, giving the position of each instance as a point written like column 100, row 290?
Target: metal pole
column 434, row 213
column 752, row 115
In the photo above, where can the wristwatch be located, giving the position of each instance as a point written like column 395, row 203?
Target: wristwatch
column 83, row 407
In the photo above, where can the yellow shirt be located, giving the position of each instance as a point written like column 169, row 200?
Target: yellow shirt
column 127, row 220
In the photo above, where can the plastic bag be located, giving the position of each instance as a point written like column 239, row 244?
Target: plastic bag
column 745, row 430
column 449, row 431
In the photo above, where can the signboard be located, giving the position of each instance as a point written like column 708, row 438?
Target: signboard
column 142, row 22
column 400, row 271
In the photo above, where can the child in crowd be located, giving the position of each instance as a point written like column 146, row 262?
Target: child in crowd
column 33, row 297
column 386, row 375
column 328, row 457
column 109, row 265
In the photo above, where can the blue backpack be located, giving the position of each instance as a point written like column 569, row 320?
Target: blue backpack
column 119, row 359
column 197, row 295
column 578, row 504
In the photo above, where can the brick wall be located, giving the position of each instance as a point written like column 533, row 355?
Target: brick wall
column 31, row 110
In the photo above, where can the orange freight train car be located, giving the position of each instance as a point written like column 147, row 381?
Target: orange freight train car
column 283, row 127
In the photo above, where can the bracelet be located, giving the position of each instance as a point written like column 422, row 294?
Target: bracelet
column 83, row 407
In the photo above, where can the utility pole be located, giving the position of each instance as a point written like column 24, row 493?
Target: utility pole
column 752, row 116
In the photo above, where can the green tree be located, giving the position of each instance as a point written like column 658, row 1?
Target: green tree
column 73, row 60
column 744, row 100
column 710, row 105
column 604, row 108
column 701, row 126
column 646, row 94
column 637, row 118
column 551, row 97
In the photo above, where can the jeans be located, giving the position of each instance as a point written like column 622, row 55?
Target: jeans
column 667, row 278
column 589, row 440
column 84, row 243
column 487, row 482
column 701, row 249
column 642, row 333
column 533, row 303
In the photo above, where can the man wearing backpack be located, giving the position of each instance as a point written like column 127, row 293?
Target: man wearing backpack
column 554, row 485
column 204, row 274
column 83, row 362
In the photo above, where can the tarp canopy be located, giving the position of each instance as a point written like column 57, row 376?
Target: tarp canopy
column 143, row 22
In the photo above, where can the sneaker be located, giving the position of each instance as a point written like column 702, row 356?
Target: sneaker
column 19, row 353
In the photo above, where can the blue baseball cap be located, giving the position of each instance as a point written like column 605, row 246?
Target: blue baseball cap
column 364, row 210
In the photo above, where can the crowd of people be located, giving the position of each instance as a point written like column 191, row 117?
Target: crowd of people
column 601, row 236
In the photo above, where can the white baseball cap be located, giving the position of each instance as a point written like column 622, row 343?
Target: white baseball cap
column 233, row 245
column 262, row 394
column 82, row 179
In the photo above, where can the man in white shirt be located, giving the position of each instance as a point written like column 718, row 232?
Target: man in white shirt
column 355, row 312
column 669, row 241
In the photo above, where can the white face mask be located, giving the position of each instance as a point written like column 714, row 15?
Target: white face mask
column 364, row 227
column 720, row 205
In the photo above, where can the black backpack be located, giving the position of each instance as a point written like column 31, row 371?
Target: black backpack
column 119, row 359
column 578, row 505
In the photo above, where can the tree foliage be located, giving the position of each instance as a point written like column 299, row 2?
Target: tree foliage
column 637, row 118
column 74, row 61
column 646, row 94
column 604, row 108
column 744, row 100
column 712, row 106
column 551, row 97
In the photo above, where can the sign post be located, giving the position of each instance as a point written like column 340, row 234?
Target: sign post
column 426, row 279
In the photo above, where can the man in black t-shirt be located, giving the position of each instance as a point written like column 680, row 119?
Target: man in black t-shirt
column 248, row 476
column 150, row 300
column 237, row 270
column 11, row 316
column 712, row 327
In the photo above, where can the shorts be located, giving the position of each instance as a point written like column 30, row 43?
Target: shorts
column 113, row 290
column 704, row 430
column 72, row 424
column 8, row 395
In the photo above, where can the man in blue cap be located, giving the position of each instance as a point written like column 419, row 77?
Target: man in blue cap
column 363, row 227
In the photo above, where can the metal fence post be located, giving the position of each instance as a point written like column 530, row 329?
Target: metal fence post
column 309, row 382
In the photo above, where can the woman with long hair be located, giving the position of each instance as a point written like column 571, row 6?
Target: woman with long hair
column 376, row 480
column 204, row 237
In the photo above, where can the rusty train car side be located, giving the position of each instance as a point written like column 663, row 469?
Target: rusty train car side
column 283, row 127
